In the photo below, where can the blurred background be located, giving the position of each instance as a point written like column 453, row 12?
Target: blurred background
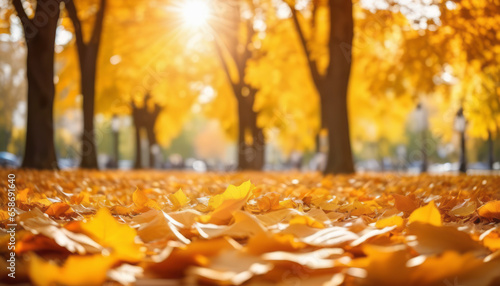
column 205, row 85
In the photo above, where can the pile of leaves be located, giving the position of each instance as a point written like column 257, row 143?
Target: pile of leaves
column 159, row 228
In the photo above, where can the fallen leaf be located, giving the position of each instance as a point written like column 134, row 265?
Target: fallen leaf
column 405, row 204
column 233, row 199
column 142, row 203
column 426, row 214
column 306, row 220
column 76, row 270
column 490, row 210
column 390, row 221
column 59, row 209
column 178, row 199
column 38, row 223
column 106, row 231
column 431, row 239
column 466, row 208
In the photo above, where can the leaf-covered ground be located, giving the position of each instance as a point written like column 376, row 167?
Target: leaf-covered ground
column 168, row 228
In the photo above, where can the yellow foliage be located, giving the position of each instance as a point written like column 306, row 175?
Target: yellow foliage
column 390, row 221
column 178, row 199
column 120, row 238
column 76, row 270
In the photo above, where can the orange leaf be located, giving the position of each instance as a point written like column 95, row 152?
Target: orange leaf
column 426, row 214
column 405, row 204
column 58, row 209
column 142, row 202
column 490, row 210
column 76, row 270
column 306, row 220
column 390, row 221
column 106, row 231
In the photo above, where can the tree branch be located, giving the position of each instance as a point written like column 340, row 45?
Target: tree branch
column 312, row 64
column 225, row 66
column 156, row 111
column 96, row 32
column 247, row 53
column 341, row 31
column 77, row 25
column 21, row 13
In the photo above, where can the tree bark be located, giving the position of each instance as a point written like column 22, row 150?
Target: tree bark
column 145, row 119
column 332, row 87
column 137, row 117
column 87, row 55
column 150, row 123
column 251, row 155
column 89, row 149
column 491, row 151
column 151, row 142
column 334, row 114
column 334, row 98
column 40, row 33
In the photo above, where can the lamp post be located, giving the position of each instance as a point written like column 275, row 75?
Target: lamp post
column 421, row 126
column 115, row 128
column 459, row 125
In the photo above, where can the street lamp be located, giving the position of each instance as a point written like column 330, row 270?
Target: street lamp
column 459, row 125
column 421, row 126
column 115, row 128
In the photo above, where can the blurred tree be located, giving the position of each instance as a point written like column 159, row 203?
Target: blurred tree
column 233, row 44
column 40, row 35
column 145, row 118
column 332, row 82
column 87, row 56
column 456, row 57
column 12, row 86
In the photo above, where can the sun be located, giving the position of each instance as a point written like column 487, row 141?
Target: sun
column 195, row 13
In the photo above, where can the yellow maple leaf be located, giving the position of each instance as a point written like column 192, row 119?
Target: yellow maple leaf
column 24, row 195
column 4, row 215
column 106, row 231
column 225, row 204
column 306, row 220
column 231, row 193
column 390, row 221
column 76, row 270
column 82, row 198
column 142, row 203
column 178, row 199
column 426, row 214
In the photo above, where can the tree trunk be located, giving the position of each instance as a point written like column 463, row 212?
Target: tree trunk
column 40, row 41
column 491, row 151
column 87, row 55
column 339, row 159
column 138, row 147
column 152, row 142
column 333, row 93
column 89, row 149
column 137, row 116
column 251, row 155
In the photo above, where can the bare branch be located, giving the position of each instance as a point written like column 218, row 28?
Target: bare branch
column 77, row 25
column 312, row 64
column 21, row 13
column 96, row 32
column 247, row 53
column 220, row 53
